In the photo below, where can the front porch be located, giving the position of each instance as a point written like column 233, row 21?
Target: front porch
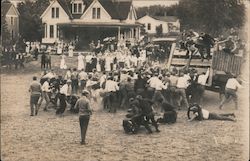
column 83, row 33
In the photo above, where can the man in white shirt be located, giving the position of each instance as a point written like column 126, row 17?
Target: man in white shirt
column 172, row 87
column 182, row 84
column 64, row 92
column 230, row 91
column 45, row 94
column 83, row 77
column 202, row 79
column 159, row 86
column 110, row 87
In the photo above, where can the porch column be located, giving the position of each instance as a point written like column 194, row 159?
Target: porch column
column 45, row 31
column 139, row 34
column 48, row 30
column 136, row 34
column 132, row 33
column 55, row 31
column 119, row 33
column 58, row 32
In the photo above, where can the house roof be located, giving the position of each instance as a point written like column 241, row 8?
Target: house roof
column 5, row 6
column 116, row 9
column 166, row 18
column 66, row 6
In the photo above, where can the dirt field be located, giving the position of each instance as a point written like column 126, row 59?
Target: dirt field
column 48, row 137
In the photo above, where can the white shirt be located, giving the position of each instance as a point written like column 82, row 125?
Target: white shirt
column 157, row 84
column 152, row 81
column 83, row 75
column 88, row 58
column 182, row 82
column 49, row 75
column 111, row 86
column 205, row 114
column 102, row 79
column 65, row 90
column 232, row 83
column 173, row 80
column 68, row 75
column 202, row 79
column 45, row 86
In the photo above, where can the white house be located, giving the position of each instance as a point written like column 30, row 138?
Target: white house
column 11, row 15
column 169, row 24
column 86, row 20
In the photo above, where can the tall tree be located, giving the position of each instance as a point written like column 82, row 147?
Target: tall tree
column 5, row 34
column 31, row 27
column 211, row 16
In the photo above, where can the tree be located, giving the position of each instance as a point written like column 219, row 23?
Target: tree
column 5, row 34
column 211, row 16
column 31, row 28
column 159, row 30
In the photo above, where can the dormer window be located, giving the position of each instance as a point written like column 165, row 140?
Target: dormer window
column 96, row 13
column 77, row 7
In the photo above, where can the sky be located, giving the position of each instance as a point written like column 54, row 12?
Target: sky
column 146, row 3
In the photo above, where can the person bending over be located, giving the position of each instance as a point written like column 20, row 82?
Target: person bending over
column 147, row 111
column 170, row 115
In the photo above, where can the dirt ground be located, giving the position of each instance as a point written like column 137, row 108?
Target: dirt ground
column 47, row 137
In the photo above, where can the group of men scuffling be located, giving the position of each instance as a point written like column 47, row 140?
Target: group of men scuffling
column 142, row 90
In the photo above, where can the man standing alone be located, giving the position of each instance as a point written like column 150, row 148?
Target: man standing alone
column 84, row 114
column 35, row 90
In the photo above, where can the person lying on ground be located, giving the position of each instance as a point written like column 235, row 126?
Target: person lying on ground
column 202, row 114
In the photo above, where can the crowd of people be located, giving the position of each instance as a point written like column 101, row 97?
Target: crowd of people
column 122, row 79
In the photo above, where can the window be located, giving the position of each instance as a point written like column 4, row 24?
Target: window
column 77, row 7
column 51, row 31
column 74, row 7
column 55, row 12
column 149, row 26
column 11, row 20
column 96, row 13
column 98, row 16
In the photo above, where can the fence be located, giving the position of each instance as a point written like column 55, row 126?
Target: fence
column 227, row 62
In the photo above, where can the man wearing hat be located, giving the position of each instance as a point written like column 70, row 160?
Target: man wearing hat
column 64, row 92
column 85, row 111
